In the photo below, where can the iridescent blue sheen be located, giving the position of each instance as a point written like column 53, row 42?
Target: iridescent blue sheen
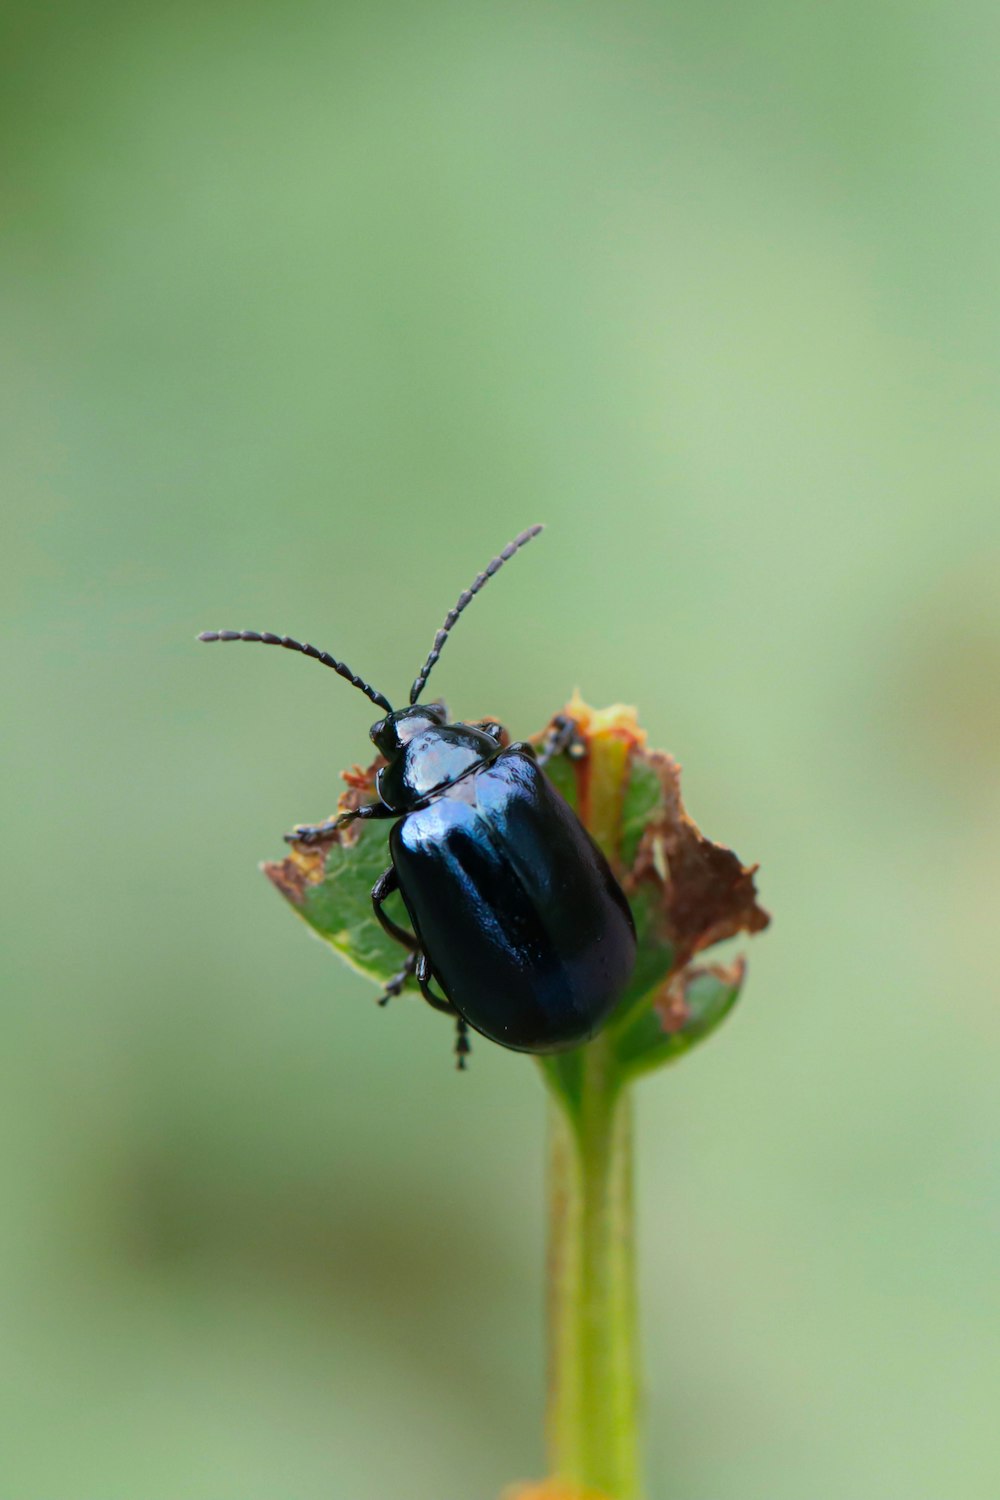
column 526, row 929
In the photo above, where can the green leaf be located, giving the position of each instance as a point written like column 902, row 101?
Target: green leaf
column 655, row 957
column 329, row 887
column 561, row 771
column 687, row 1009
column 642, row 800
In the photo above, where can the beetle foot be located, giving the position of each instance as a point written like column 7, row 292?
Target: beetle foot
column 463, row 1046
column 396, row 983
column 563, row 735
column 311, row 833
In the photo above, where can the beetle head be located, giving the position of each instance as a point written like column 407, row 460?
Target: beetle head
column 397, row 729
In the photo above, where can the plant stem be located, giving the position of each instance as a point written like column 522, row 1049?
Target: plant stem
column 593, row 1403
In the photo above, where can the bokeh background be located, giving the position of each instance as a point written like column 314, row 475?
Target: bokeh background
column 306, row 310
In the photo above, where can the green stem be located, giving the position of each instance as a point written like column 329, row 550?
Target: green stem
column 593, row 1407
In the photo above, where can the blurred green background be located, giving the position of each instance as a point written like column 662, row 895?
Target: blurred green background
column 307, row 309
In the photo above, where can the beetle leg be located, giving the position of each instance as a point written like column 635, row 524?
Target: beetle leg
column 397, row 981
column 423, row 977
column 561, row 735
column 462, row 1044
column 388, row 882
column 310, row 833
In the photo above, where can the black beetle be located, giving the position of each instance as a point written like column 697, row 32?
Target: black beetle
column 516, row 913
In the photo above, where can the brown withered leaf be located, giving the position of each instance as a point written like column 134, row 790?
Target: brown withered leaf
column 706, row 893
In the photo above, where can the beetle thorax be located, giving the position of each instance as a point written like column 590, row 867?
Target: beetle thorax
column 434, row 759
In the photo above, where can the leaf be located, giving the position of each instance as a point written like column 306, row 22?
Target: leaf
column 686, row 1009
column 705, row 894
column 686, row 892
column 328, row 884
column 642, row 800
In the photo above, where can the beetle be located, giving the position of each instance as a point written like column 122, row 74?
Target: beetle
column 516, row 915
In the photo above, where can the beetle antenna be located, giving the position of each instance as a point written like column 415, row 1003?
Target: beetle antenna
column 465, row 598
column 265, row 638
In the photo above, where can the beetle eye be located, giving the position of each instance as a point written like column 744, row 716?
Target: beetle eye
column 376, row 731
